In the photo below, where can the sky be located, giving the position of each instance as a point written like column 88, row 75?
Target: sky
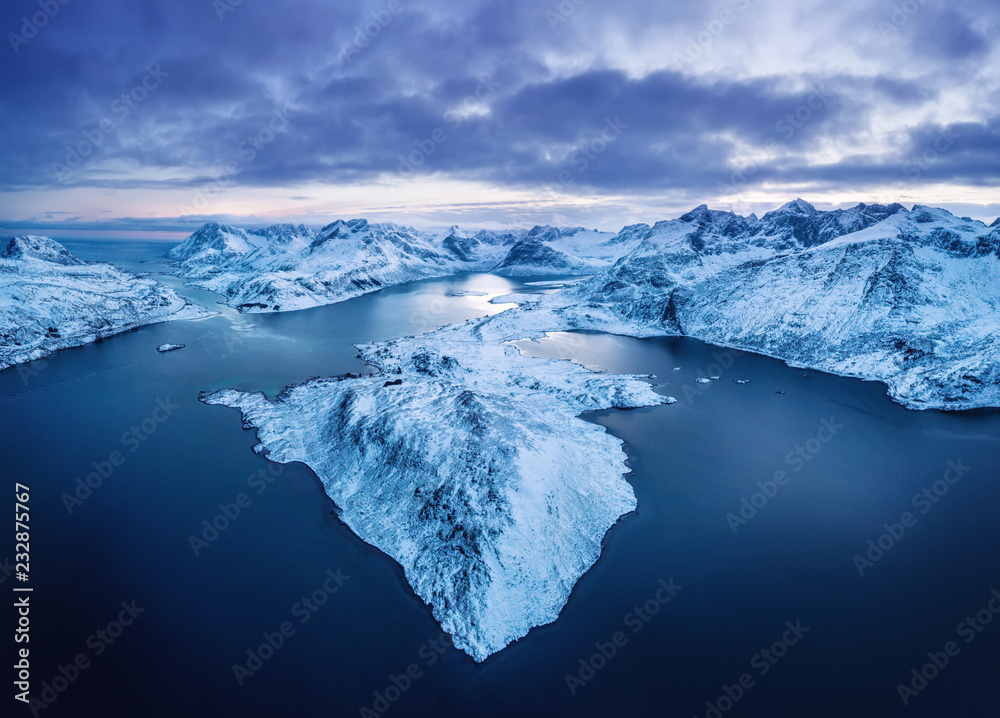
column 124, row 117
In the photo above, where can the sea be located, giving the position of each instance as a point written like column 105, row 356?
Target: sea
column 802, row 546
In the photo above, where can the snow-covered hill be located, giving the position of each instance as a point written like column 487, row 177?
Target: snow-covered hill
column 284, row 267
column 51, row 300
column 465, row 462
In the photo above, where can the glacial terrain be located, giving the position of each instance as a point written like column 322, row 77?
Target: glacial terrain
column 51, row 300
column 467, row 463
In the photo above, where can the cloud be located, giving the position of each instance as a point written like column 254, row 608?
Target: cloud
column 499, row 93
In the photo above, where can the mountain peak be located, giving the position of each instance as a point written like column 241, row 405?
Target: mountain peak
column 996, row 222
column 33, row 247
column 544, row 232
column 456, row 232
column 923, row 214
column 700, row 212
column 799, row 206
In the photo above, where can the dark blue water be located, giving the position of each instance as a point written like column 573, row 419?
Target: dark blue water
column 693, row 463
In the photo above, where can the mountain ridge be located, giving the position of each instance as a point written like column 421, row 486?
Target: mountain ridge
column 51, row 300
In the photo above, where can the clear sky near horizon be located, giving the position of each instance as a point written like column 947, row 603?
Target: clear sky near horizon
column 124, row 117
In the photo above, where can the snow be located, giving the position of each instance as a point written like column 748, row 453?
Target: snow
column 909, row 298
column 169, row 347
column 51, row 300
column 475, row 472
column 285, row 267
column 467, row 462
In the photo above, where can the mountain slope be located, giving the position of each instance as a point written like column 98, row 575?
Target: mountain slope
column 465, row 462
column 51, row 300
column 912, row 299
column 284, row 268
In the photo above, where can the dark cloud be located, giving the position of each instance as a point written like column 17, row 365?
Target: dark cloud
column 371, row 89
column 949, row 34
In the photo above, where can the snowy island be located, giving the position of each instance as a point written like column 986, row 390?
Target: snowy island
column 471, row 468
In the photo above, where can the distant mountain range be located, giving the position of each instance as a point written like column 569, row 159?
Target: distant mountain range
column 909, row 297
column 288, row 267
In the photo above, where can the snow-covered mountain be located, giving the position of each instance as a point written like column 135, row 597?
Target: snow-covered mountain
column 51, row 300
column 284, row 267
column 550, row 250
column 466, row 462
column 911, row 298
